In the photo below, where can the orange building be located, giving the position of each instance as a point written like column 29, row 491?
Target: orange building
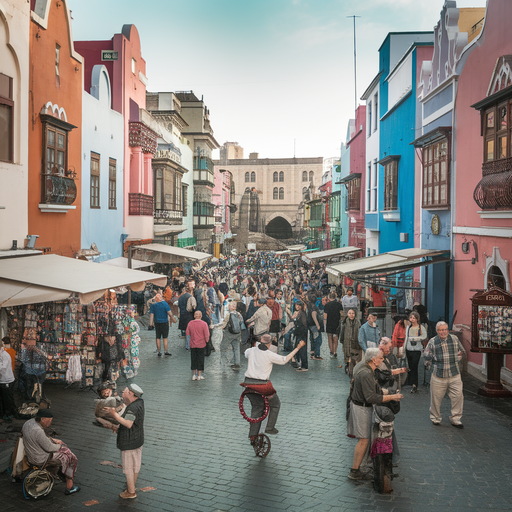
column 55, row 120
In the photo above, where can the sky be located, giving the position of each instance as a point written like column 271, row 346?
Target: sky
column 276, row 75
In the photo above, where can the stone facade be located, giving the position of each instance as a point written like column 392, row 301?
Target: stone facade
column 279, row 183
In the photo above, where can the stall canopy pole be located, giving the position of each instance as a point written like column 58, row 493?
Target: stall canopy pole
column 129, row 266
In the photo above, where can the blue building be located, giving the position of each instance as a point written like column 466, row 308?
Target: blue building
column 102, row 171
column 399, row 115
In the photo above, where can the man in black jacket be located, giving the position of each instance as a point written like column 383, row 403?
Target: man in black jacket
column 130, row 436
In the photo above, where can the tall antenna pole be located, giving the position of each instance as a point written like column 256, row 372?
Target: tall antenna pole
column 355, row 67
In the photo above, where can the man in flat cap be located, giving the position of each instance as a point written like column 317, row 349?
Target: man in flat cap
column 41, row 449
column 261, row 319
column 130, row 436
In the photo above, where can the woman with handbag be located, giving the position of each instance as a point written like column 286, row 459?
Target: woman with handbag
column 415, row 339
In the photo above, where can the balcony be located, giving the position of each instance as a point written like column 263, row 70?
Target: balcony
column 204, row 215
column 494, row 191
column 58, row 190
column 140, row 205
column 203, row 171
column 141, row 135
column 187, row 242
column 162, row 216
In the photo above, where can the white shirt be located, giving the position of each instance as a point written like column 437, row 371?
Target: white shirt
column 260, row 362
column 6, row 375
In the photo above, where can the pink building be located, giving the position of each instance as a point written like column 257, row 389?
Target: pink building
column 482, row 232
column 223, row 200
column 356, row 182
column 127, row 71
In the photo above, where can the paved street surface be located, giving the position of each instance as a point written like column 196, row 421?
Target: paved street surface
column 198, row 458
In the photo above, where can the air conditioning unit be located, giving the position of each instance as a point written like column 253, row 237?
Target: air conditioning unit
column 404, row 237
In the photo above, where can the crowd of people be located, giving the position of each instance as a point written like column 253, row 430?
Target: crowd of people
column 268, row 308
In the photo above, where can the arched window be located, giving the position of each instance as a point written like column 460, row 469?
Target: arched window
column 253, row 176
column 281, row 193
column 305, row 176
column 276, row 193
column 275, row 176
column 304, row 192
column 246, row 177
column 311, row 175
column 281, row 176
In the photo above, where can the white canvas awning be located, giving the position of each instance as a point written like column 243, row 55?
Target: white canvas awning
column 332, row 253
column 167, row 229
column 123, row 263
column 48, row 278
column 398, row 261
column 160, row 253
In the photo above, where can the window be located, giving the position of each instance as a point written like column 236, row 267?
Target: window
column 276, row 176
column 247, row 190
column 253, row 177
column 6, row 118
column 376, row 111
column 184, row 190
column 305, row 176
column 247, row 177
column 281, row 193
column 133, row 65
column 369, row 118
column 159, row 188
column 436, row 159
column 391, row 185
column 112, row 183
column 56, row 151
column 57, row 64
column 368, row 187
column 304, row 192
column 354, row 194
column 276, row 193
column 281, row 176
column 498, row 132
column 371, row 187
column 95, row 180
column 311, row 175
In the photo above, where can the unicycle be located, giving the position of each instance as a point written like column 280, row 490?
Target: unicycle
column 260, row 442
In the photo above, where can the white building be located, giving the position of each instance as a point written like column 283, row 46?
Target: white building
column 14, row 123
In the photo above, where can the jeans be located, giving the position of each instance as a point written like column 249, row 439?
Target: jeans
column 413, row 360
column 316, row 340
column 258, row 407
column 288, row 346
column 236, row 351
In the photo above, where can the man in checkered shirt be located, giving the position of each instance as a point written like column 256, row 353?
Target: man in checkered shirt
column 444, row 353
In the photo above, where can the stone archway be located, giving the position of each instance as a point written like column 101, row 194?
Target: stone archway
column 279, row 228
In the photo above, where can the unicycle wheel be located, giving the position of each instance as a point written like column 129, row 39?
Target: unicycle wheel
column 261, row 445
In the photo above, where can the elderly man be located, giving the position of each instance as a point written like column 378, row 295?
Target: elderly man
column 130, row 436
column 261, row 359
column 365, row 392
column 261, row 319
column 199, row 334
column 41, row 449
column 369, row 334
column 443, row 353
column 387, row 373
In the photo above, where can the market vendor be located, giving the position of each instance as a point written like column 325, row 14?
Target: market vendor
column 107, row 399
column 42, row 449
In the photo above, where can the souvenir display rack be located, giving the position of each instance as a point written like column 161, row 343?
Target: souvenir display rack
column 65, row 328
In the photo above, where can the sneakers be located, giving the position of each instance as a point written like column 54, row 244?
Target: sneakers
column 167, row 354
column 458, row 425
column 414, row 389
column 356, row 474
column 200, row 377
column 194, row 377
column 128, row 495
column 159, row 354
column 302, row 369
column 271, row 431
column 73, row 489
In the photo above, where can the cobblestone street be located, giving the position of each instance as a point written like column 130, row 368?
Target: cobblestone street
column 197, row 456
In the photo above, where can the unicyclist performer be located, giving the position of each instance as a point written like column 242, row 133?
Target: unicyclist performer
column 258, row 371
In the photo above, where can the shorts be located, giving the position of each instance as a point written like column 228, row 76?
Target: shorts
column 162, row 330
column 131, row 460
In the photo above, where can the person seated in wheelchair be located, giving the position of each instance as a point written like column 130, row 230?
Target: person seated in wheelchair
column 42, row 450
column 261, row 358
column 107, row 399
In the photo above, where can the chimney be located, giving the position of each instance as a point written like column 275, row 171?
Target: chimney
column 253, row 156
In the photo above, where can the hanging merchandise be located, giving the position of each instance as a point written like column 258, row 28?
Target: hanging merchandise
column 83, row 343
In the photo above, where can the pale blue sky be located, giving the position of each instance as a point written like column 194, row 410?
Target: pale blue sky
column 270, row 71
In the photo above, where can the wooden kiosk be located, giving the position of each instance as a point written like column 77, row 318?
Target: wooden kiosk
column 491, row 333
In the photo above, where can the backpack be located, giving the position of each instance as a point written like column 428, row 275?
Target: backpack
column 234, row 326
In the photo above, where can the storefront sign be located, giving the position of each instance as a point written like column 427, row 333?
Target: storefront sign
column 108, row 55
